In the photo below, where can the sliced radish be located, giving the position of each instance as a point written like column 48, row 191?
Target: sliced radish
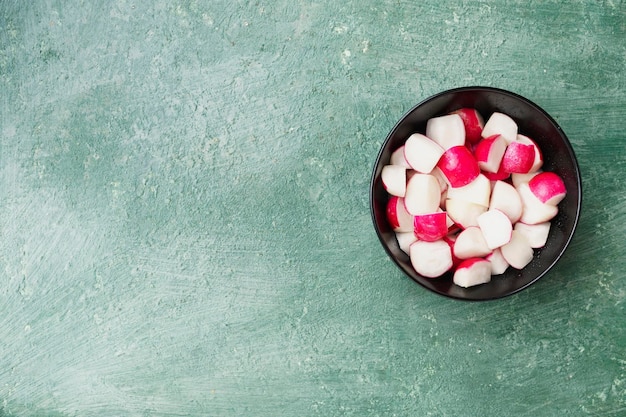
column 537, row 234
column 447, row 131
column 394, row 179
column 500, row 124
column 505, row 197
column 498, row 264
column 477, row 191
column 397, row 158
column 517, row 179
column 399, row 219
column 496, row 227
column 422, row 194
column 405, row 239
column 548, row 187
column 518, row 158
column 431, row 227
column 473, row 122
column 463, row 212
column 533, row 210
column 538, row 160
column 471, row 272
column 430, row 259
column 500, row 175
column 518, row 252
column 458, row 166
column 470, row 243
column 422, row 153
column 489, row 153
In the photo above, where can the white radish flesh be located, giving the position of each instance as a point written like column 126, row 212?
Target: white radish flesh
column 394, row 179
column 470, row 243
column 537, row 234
column 496, row 228
column 447, row 131
column 422, row 153
column 518, row 252
column 430, row 259
column 423, row 194
column 471, row 272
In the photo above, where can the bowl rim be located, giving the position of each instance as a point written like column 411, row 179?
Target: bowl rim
column 566, row 142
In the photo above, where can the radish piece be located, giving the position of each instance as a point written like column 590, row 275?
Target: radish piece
column 459, row 166
column 450, row 239
column 397, row 158
column 538, row 160
column 548, row 187
column 422, row 153
column 518, row 252
column 405, row 239
column 430, row 259
column 533, row 210
column 518, row 158
column 399, row 219
column 431, row 227
column 505, row 197
column 518, row 179
column 473, row 271
column 422, row 194
column 447, row 131
column 394, row 179
column 496, row 227
column 470, row 243
column 498, row 264
column 489, row 153
column 464, row 213
column 537, row 234
column 501, row 124
column 478, row 191
column 473, row 122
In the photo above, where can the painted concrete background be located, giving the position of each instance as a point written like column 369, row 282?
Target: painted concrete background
column 185, row 227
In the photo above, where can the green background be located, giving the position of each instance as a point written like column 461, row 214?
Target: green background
column 185, row 224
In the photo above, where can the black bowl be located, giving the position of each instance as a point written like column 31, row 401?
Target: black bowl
column 558, row 155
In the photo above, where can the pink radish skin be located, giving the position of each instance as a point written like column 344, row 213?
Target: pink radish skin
column 548, row 187
column 431, row 227
column 518, row 158
column 422, row 153
column 500, row 175
column 489, row 153
column 496, row 228
column 399, row 219
column 394, row 179
column 538, row 160
column 447, row 131
column 459, row 166
column 423, row 194
column 471, row 272
column 473, row 122
column 470, row 243
column 430, row 259
column 502, row 124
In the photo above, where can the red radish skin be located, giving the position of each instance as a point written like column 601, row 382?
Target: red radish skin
column 399, row 219
column 518, row 158
column 459, row 166
column 489, row 153
column 430, row 227
column 500, row 175
column 533, row 210
column 538, row 160
column 548, row 187
column 472, row 272
column 473, row 122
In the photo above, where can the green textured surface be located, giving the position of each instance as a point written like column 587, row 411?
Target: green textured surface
column 185, row 225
